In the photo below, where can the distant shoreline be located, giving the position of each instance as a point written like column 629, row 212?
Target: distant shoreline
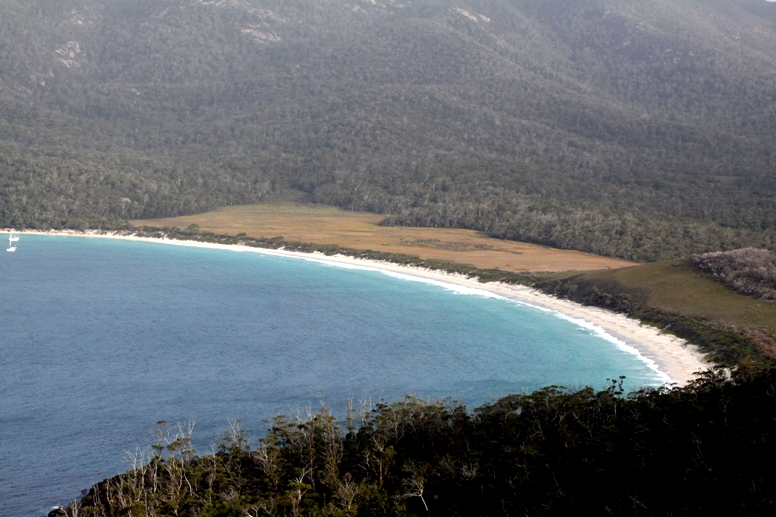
column 672, row 358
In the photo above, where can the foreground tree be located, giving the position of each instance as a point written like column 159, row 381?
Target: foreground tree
column 696, row 450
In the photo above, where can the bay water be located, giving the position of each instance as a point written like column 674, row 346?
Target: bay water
column 103, row 338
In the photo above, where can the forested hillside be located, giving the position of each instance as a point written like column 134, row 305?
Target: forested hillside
column 632, row 129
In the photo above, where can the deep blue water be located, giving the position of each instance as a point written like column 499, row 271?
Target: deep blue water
column 103, row 338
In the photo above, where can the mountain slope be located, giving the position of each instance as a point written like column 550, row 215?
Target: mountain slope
column 637, row 130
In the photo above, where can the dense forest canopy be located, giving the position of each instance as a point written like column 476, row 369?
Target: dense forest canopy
column 642, row 130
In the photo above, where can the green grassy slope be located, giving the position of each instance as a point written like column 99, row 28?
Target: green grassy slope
column 732, row 328
column 675, row 286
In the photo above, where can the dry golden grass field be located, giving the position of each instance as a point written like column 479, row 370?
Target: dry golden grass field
column 319, row 224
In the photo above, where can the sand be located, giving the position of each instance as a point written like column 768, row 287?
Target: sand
column 672, row 358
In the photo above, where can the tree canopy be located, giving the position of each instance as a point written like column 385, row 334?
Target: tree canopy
column 698, row 450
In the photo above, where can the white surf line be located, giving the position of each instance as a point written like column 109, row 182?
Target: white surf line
column 422, row 275
column 596, row 329
column 644, row 347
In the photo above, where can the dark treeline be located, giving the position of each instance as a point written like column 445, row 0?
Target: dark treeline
column 704, row 449
column 622, row 128
column 56, row 188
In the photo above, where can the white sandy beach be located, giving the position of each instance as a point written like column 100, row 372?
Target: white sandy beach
column 674, row 359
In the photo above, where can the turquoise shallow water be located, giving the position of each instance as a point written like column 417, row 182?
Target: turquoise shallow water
column 103, row 338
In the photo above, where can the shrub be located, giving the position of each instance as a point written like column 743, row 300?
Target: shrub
column 748, row 271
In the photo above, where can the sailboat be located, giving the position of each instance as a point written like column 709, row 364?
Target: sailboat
column 11, row 240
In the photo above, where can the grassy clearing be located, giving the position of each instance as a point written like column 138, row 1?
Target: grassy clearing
column 731, row 328
column 317, row 224
column 674, row 286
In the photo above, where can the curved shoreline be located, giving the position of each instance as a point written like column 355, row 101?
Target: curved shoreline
column 672, row 358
